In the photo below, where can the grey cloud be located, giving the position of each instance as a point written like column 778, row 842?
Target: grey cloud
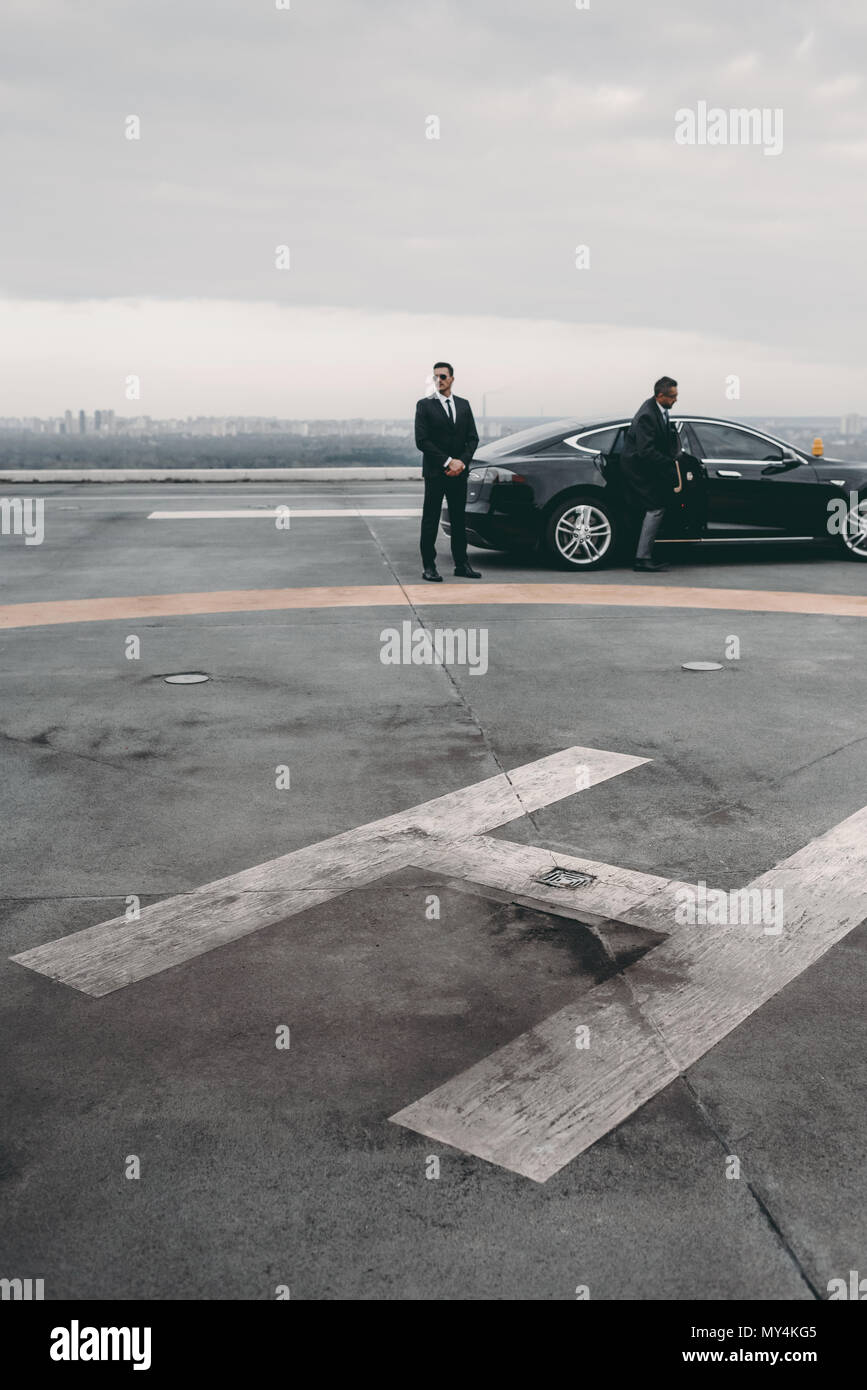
column 307, row 127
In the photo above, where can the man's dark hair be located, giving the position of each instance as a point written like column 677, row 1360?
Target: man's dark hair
column 448, row 365
column 665, row 383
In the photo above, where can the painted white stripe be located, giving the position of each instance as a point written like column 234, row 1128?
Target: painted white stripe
column 294, row 512
column 355, row 473
column 513, row 868
column 116, row 953
column 101, row 499
column 535, row 1104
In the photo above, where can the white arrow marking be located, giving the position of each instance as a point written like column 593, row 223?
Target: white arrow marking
column 118, row 953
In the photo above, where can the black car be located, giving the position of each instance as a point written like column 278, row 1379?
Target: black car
column 556, row 488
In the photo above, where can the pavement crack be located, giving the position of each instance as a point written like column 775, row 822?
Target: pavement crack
column 832, row 753
column 778, row 781
column 126, row 768
column 773, row 1223
column 457, row 690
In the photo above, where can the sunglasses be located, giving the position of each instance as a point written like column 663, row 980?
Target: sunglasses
column 441, row 376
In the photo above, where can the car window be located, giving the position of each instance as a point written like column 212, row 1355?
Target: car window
column 688, row 442
column 596, row 441
column 732, row 442
column 534, row 440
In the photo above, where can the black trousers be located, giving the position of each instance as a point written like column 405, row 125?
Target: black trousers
column 454, row 490
column 649, row 528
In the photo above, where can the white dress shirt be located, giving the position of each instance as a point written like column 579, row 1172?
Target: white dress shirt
column 453, row 414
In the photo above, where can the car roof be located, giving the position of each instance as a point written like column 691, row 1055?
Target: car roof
column 684, row 415
column 525, row 440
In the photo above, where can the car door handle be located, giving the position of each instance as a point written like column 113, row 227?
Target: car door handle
column 728, row 473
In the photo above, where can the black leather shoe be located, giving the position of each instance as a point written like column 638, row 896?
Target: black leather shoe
column 649, row 567
column 432, row 573
column 466, row 572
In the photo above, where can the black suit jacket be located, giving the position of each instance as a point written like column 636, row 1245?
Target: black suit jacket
column 647, row 460
column 439, row 440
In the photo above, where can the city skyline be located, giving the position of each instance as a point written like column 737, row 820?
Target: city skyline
column 105, row 424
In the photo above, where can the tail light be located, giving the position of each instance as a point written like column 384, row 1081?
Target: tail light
column 495, row 475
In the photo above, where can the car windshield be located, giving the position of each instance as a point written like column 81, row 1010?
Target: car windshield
column 527, row 439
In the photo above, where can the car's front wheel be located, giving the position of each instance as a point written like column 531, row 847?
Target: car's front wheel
column 853, row 536
column 581, row 533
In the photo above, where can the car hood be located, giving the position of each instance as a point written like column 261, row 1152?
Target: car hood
column 851, row 473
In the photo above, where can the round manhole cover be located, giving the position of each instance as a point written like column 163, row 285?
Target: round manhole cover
column 701, row 666
column 186, row 678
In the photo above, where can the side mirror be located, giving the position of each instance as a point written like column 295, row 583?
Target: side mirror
column 789, row 460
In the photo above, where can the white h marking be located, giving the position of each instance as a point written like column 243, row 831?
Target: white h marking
column 118, row 953
column 538, row 1102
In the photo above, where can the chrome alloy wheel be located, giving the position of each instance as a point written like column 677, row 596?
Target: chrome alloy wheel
column 854, row 532
column 583, row 534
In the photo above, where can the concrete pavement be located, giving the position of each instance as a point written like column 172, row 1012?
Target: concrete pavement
column 263, row 1166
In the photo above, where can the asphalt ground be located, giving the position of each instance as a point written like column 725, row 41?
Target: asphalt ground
column 263, row 1167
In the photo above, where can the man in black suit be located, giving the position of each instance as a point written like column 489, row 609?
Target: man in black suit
column 647, row 467
column 445, row 432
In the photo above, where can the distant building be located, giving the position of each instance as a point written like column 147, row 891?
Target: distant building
column 82, row 422
column 488, row 428
column 850, row 426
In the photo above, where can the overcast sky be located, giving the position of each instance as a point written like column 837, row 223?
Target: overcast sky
column 306, row 127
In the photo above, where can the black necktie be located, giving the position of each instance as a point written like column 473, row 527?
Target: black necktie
column 449, row 412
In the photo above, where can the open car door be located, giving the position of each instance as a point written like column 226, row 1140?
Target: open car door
column 687, row 515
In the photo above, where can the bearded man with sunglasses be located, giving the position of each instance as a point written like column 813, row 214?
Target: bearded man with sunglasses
column 446, row 434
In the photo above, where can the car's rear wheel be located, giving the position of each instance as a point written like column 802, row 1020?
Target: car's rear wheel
column 580, row 533
column 854, row 533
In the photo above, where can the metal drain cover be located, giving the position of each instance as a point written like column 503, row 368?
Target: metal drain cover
column 701, row 666
column 186, row 678
column 564, row 878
